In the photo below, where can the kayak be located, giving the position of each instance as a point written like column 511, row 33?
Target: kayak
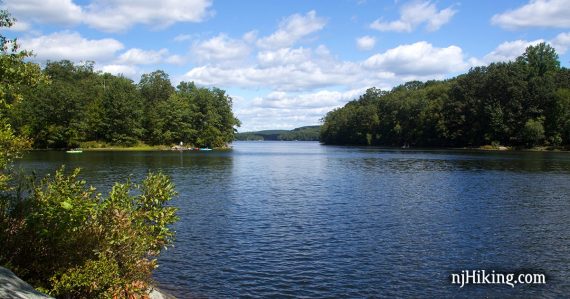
column 205, row 149
column 74, row 151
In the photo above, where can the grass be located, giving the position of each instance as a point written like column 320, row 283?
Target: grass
column 494, row 147
column 130, row 148
column 103, row 146
column 542, row 148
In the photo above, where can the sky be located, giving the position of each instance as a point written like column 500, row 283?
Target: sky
column 287, row 63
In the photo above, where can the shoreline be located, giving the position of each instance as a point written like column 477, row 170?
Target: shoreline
column 483, row 148
column 157, row 148
column 12, row 286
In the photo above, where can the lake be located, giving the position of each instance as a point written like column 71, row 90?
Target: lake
column 302, row 220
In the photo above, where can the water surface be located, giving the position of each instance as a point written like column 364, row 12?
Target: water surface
column 301, row 220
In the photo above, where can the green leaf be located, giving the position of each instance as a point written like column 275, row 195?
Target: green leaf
column 66, row 205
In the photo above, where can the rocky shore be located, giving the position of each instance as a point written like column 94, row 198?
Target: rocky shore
column 12, row 287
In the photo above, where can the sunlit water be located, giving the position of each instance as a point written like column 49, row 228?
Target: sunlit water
column 301, row 220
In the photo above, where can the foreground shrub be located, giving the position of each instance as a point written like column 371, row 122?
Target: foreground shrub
column 70, row 241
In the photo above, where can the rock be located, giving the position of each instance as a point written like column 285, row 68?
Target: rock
column 155, row 293
column 12, row 287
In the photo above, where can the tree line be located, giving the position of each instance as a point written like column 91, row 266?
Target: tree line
column 521, row 103
column 307, row 133
column 80, row 106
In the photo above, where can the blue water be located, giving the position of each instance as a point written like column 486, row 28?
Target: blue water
column 301, row 220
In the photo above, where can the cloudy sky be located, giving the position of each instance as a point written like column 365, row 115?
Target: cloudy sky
column 287, row 63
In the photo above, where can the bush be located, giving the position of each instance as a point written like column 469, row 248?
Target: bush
column 533, row 132
column 93, row 144
column 70, row 241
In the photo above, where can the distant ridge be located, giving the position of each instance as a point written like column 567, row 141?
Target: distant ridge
column 307, row 133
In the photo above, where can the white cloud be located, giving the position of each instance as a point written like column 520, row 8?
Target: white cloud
column 419, row 59
column 19, row 26
column 72, row 46
column 111, row 15
column 323, row 51
column 319, row 99
column 138, row 56
column 176, row 59
column 285, row 56
column 254, row 119
column 105, row 52
column 120, row 15
column 303, row 69
column 508, row 51
column 45, row 11
column 281, row 69
column 414, row 14
column 292, row 29
column 561, row 42
column 365, row 43
column 536, row 13
column 220, row 49
column 250, row 37
column 250, row 77
column 182, row 37
column 304, row 75
column 128, row 71
column 285, row 110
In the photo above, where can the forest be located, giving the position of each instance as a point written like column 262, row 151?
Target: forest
column 307, row 133
column 521, row 103
column 79, row 107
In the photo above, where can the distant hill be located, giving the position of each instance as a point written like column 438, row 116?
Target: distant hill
column 308, row 133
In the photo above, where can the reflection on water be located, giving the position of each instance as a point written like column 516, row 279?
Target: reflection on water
column 296, row 219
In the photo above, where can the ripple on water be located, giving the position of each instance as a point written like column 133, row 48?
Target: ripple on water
column 300, row 220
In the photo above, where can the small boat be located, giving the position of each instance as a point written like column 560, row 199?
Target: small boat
column 205, row 149
column 74, row 151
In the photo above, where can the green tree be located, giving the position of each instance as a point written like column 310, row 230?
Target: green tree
column 122, row 111
column 543, row 66
column 533, row 132
column 214, row 119
column 514, row 103
column 310, row 133
column 560, row 115
column 15, row 75
column 54, row 115
column 176, row 116
column 155, row 88
column 541, row 59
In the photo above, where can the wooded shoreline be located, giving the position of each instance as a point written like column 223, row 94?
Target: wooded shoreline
column 521, row 103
